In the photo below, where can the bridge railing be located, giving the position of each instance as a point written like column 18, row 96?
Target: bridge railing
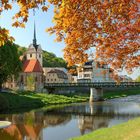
column 94, row 84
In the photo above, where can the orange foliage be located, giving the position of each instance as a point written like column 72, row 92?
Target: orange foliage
column 112, row 27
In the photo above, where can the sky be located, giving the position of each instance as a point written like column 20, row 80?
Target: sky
column 24, row 36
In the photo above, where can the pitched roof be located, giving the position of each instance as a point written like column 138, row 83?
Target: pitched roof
column 32, row 65
column 60, row 73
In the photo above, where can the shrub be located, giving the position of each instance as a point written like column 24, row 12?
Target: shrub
column 4, row 104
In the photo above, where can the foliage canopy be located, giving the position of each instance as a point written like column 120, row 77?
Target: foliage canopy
column 112, row 27
column 49, row 58
column 10, row 64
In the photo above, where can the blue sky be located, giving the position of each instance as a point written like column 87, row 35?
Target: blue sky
column 24, row 37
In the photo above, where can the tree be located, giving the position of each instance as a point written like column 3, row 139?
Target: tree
column 10, row 64
column 31, row 82
column 138, row 79
column 109, row 26
column 49, row 59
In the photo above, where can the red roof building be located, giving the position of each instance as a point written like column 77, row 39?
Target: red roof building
column 32, row 65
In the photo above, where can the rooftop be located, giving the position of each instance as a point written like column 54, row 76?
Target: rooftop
column 32, row 65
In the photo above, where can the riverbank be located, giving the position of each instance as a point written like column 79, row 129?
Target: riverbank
column 117, row 93
column 29, row 100
column 126, row 131
column 34, row 100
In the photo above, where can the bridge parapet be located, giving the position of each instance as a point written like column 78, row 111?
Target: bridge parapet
column 96, row 88
column 93, row 84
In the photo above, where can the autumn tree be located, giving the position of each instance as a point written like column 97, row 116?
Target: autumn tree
column 111, row 27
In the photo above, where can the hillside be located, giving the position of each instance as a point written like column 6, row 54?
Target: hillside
column 49, row 58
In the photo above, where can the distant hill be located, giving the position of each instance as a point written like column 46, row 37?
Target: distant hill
column 49, row 58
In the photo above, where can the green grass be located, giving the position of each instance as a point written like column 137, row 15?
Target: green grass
column 126, row 131
column 120, row 93
column 35, row 100
column 29, row 100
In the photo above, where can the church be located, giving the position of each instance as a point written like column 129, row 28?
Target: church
column 31, row 77
column 33, row 74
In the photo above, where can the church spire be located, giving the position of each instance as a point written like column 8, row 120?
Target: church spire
column 34, row 38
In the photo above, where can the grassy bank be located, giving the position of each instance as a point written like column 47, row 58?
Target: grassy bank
column 125, row 131
column 33, row 100
column 116, row 93
column 24, row 100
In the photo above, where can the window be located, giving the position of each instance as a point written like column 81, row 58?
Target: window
column 48, row 79
column 86, row 75
column 39, row 55
column 30, row 55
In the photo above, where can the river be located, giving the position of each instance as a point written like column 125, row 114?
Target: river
column 69, row 121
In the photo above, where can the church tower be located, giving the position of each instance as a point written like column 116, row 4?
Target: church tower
column 34, row 50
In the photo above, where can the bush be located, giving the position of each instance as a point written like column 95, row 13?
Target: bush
column 25, row 92
column 4, row 104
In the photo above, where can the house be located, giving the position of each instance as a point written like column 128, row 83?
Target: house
column 56, row 76
column 93, row 71
column 63, row 71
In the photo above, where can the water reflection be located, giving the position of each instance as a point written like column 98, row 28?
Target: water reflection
column 74, row 120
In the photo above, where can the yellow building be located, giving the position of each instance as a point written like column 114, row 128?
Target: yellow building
column 56, row 76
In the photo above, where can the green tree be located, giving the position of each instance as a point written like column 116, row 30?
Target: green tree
column 30, row 82
column 49, row 58
column 10, row 64
column 138, row 79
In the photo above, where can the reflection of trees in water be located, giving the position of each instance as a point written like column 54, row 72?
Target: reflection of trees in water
column 29, row 126
column 10, row 133
column 90, row 123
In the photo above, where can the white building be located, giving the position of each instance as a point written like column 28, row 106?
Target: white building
column 92, row 71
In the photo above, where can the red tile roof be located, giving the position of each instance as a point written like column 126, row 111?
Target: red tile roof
column 32, row 65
